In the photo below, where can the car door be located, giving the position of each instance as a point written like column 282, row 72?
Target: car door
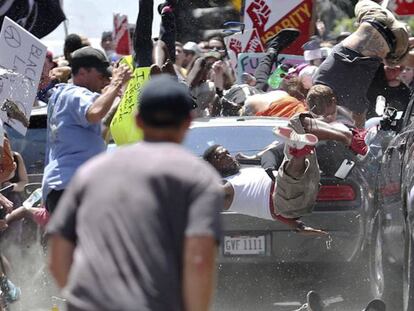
column 390, row 191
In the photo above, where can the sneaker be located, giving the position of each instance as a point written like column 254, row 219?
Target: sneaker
column 314, row 301
column 358, row 144
column 282, row 39
column 299, row 144
column 375, row 305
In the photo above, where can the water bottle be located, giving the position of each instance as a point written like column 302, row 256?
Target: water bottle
column 33, row 198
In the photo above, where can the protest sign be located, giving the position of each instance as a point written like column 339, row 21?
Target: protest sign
column 121, row 35
column 248, row 62
column 246, row 42
column 123, row 128
column 270, row 16
column 22, row 56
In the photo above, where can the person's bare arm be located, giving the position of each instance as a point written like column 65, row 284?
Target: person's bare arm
column 21, row 173
column 60, row 258
column 367, row 41
column 17, row 214
column 324, row 131
column 106, row 121
column 103, row 103
column 198, row 272
column 228, row 195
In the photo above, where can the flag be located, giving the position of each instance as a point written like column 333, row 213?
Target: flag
column 39, row 17
column 121, row 35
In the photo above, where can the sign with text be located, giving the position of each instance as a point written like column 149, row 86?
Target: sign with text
column 22, row 56
column 270, row 16
column 248, row 62
column 246, row 42
column 123, row 128
column 121, row 35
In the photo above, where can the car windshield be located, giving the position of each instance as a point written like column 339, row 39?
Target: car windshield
column 232, row 137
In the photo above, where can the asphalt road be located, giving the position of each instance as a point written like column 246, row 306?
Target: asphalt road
column 284, row 287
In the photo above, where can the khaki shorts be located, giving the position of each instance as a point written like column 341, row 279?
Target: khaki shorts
column 293, row 197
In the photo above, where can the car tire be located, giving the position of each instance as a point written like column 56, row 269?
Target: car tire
column 385, row 277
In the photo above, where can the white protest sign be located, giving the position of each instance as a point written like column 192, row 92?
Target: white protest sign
column 22, row 56
column 248, row 62
column 246, row 42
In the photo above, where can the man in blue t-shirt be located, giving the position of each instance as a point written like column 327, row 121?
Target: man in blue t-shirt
column 75, row 112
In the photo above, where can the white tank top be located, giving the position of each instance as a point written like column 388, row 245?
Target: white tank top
column 251, row 192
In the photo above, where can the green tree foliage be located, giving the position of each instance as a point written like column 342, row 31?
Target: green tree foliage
column 344, row 24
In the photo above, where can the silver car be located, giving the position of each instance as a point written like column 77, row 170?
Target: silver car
column 343, row 207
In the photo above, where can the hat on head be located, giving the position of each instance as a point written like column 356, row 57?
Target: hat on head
column 49, row 56
column 90, row 57
column 192, row 47
column 106, row 35
column 312, row 50
column 165, row 102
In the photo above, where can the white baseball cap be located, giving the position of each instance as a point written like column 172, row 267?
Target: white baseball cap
column 192, row 46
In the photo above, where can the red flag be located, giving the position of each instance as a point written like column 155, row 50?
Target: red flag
column 121, row 35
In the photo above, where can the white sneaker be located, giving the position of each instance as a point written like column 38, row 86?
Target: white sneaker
column 295, row 140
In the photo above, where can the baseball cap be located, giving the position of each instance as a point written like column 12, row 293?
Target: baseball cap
column 193, row 47
column 165, row 102
column 90, row 57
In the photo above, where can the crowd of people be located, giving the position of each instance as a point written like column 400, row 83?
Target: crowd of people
column 139, row 227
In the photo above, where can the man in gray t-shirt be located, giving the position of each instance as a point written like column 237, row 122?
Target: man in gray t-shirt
column 137, row 229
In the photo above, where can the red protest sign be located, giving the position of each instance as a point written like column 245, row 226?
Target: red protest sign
column 121, row 35
column 268, row 17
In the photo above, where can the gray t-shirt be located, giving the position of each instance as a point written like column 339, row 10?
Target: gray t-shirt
column 128, row 213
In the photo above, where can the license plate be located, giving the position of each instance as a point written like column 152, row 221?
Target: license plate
column 244, row 245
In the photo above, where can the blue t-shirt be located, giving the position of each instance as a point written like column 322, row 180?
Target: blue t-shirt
column 71, row 139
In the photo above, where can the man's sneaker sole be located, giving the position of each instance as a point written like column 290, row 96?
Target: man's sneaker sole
column 283, row 39
column 295, row 140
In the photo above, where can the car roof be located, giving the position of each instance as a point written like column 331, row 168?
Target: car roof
column 237, row 121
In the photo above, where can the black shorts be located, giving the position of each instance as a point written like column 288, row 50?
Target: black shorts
column 349, row 74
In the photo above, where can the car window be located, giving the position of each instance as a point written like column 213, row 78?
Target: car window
column 246, row 139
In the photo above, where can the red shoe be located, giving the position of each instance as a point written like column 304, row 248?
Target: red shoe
column 299, row 145
column 358, row 144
